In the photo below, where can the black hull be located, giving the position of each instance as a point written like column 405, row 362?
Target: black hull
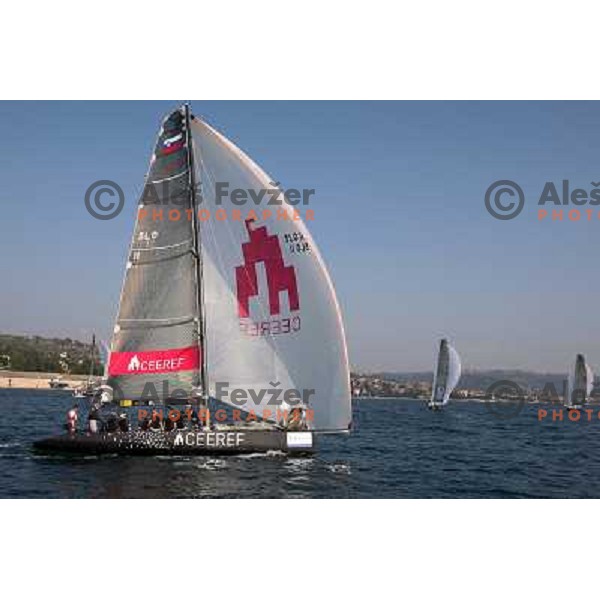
column 181, row 442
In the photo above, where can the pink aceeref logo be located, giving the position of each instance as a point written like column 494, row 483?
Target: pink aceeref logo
column 134, row 364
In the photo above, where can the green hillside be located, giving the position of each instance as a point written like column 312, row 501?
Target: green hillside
column 35, row 353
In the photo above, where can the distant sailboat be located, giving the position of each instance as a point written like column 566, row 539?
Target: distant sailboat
column 580, row 383
column 207, row 305
column 88, row 390
column 446, row 375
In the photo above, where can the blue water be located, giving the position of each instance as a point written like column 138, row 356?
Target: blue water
column 400, row 450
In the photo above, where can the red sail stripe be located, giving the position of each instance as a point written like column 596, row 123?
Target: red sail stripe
column 154, row 361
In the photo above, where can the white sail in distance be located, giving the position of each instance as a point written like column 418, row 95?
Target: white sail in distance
column 272, row 317
column 447, row 372
column 580, row 383
column 590, row 380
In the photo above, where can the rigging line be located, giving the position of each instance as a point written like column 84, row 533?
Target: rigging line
column 197, row 252
column 150, row 326
column 92, row 356
column 183, row 319
column 137, row 262
column 162, row 247
column 169, row 178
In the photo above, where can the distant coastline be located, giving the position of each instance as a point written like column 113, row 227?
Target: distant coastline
column 37, row 354
column 473, row 385
column 26, row 380
column 32, row 361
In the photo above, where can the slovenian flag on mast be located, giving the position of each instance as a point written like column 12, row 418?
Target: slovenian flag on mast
column 172, row 145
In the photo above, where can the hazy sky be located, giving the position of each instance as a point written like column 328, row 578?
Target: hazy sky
column 400, row 219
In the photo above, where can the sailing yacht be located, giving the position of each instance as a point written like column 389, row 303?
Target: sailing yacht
column 234, row 312
column 580, row 383
column 446, row 375
column 88, row 390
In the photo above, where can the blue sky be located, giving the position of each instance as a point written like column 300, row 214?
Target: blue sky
column 400, row 219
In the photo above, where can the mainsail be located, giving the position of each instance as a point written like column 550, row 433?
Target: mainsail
column 447, row 373
column 580, row 383
column 155, row 351
column 274, row 334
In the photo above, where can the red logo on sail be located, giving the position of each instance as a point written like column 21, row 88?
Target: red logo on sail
column 154, row 361
column 264, row 248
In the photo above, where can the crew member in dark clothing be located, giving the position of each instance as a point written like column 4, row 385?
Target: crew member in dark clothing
column 169, row 424
column 93, row 419
column 123, row 423
column 156, row 423
column 190, row 415
column 112, row 424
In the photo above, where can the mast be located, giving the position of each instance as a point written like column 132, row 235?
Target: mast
column 436, row 373
column 92, row 356
column 197, row 251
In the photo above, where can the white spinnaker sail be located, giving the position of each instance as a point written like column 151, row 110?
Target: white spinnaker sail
column 568, row 390
column 590, row 380
column 272, row 317
column 446, row 374
column 454, row 371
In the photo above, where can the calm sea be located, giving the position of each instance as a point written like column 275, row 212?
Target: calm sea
column 400, row 450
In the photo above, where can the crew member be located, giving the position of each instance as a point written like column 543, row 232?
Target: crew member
column 93, row 418
column 112, row 423
column 72, row 420
column 123, row 423
column 145, row 423
column 156, row 423
column 296, row 420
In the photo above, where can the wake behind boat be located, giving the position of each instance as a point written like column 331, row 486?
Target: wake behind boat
column 447, row 373
column 239, row 312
